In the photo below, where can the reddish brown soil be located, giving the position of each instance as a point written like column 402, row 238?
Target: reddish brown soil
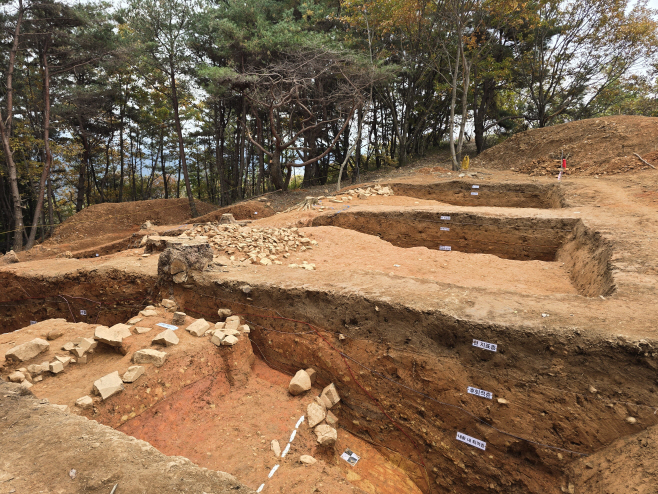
column 597, row 146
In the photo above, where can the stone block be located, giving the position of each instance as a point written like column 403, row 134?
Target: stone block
column 166, row 338
column 179, row 318
column 244, row 329
column 35, row 369
column 54, row 334
column 108, row 385
column 56, row 367
column 315, row 414
column 331, row 419
column 276, row 448
column 132, row 374
column 149, row 356
column 134, row 320
column 16, row 377
column 330, row 396
column 168, row 303
column 217, row 338
column 142, row 330
column 27, row 351
column 220, row 325
column 64, row 360
column 83, row 345
column 224, row 313
column 326, row 435
column 312, row 374
column 307, row 460
column 229, row 341
column 85, row 402
column 149, row 313
column 112, row 336
column 198, row 327
column 67, row 347
column 299, row 383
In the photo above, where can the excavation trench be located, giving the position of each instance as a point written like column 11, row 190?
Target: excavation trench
column 473, row 193
column 403, row 376
column 585, row 254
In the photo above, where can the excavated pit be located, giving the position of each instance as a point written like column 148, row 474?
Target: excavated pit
column 403, row 376
column 473, row 193
column 585, row 254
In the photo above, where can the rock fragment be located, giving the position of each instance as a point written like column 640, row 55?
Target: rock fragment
column 312, row 374
column 54, row 334
column 83, row 346
column 224, row 313
column 166, row 338
column 232, row 322
column 276, row 448
column 27, row 351
column 108, row 385
column 85, row 402
column 331, row 419
column 198, row 327
column 142, row 330
column 168, row 303
column 56, row 367
column 330, row 396
column 132, row 374
column 229, row 340
column 179, row 318
column 326, row 435
column 148, row 313
column 149, row 356
column 112, row 336
column 134, row 320
column 307, row 460
column 299, row 383
column 315, row 414
column 16, row 377
column 64, row 360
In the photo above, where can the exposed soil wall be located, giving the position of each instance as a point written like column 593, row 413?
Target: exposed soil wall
column 559, row 388
column 461, row 193
column 521, row 239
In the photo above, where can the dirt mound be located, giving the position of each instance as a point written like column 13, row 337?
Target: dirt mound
column 249, row 210
column 597, row 146
column 112, row 218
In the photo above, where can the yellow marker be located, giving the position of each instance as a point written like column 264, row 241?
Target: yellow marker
column 465, row 162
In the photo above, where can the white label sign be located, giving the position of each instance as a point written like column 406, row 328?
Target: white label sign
column 480, row 392
column 445, row 229
column 476, row 186
column 83, row 312
column 446, row 218
column 167, row 326
column 472, row 441
column 445, row 247
column 32, row 322
column 474, row 193
column 487, row 346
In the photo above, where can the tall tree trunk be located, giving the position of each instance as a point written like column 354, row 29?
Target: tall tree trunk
column 164, row 170
column 453, row 103
column 181, row 144
column 121, row 149
column 51, row 213
column 86, row 157
column 46, row 144
column 5, row 134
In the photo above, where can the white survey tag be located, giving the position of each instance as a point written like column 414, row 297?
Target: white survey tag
column 446, row 218
column 474, row 193
column 83, row 312
column 476, row 186
column 487, row 346
column 32, row 322
column 445, row 247
column 480, row 392
column 444, row 229
column 472, row 441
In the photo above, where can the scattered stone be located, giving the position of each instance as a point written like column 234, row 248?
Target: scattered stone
column 224, row 313
column 326, row 435
column 38, row 379
column 330, row 396
column 148, row 313
column 64, row 360
column 299, row 383
column 85, row 402
column 231, row 332
column 68, row 346
column 276, row 448
column 331, row 419
column 244, row 329
column 182, row 257
column 63, row 408
column 179, row 318
column 166, row 338
column 149, row 356
column 16, row 377
column 631, row 420
column 168, row 303
column 27, row 351
column 54, row 334
column 198, row 327
column 26, row 384
column 142, row 330
column 502, row 401
column 592, row 390
column 232, row 322
column 84, row 359
column 132, row 374
column 315, row 414
column 9, row 258
column 108, row 385
column 149, row 307
column 112, row 336
column 134, row 320
column 56, row 367
column 307, row 460
column 217, row 338
column 83, row 346
column 312, row 374
column 147, row 226
column 229, row 341
column 35, row 369
column 220, row 325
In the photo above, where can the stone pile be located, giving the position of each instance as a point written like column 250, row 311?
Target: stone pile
column 361, row 193
column 252, row 245
column 318, row 413
column 227, row 333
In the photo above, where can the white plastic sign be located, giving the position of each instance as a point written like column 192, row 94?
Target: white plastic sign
column 486, row 346
column 445, row 247
column 472, row 441
column 480, row 392
column 446, row 218
column 83, row 312
column 445, row 229
column 474, row 193
column 476, row 186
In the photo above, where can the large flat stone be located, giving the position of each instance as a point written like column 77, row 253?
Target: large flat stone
column 326, row 435
column 166, row 338
column 112, row 336
column 27, row 351
column 198, row 327
column 330, row 396
column 315, row 414
column 133, row 373
column 108, row 385
column 299, row 383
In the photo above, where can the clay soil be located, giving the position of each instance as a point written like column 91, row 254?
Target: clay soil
column 576, row 334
